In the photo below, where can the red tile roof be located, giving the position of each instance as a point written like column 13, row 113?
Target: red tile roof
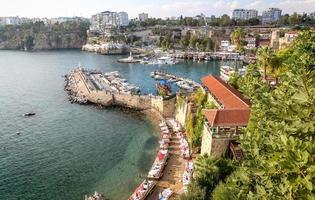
column 227, row 117
column 225, row 94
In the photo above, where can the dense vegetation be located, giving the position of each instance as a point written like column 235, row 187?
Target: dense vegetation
column 278, row 143
column 209, row 173
column 195, row 119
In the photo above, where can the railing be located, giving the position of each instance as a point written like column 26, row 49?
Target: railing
column 227, row 133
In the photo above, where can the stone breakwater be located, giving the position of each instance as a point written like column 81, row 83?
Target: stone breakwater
column 75, row 95
column 81, row 89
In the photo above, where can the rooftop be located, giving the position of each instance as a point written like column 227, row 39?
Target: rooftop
column 227, row 117
column 229, row 97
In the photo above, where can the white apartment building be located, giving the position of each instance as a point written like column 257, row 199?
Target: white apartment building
column 244, row 14
column 143, row 16
column 123, row 19
column 107, row 20
column 271, row 15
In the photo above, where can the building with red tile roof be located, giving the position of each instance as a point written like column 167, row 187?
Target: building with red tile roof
column 227, row 96
column 227, row 117
column 223, row 125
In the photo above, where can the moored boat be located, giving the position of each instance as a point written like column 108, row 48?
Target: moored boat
column 165, row 194
column 29, row 114
column 95, row 196
column 143, row 190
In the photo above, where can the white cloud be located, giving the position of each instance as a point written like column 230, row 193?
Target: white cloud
column 289, row 6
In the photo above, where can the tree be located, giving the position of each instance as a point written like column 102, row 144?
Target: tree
column 237, row 38
column 209, row 172
column 264, row 57
column 295, row 19
column 193, row 41
column 279, row 142
column 184, row 41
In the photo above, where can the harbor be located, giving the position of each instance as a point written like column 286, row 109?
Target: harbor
column 169, row 174
column 45, row 96
column 181, row 82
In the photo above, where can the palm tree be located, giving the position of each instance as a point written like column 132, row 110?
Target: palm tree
column 237, row 37
column 276, row 66
column 206, row 164
column 264, row 57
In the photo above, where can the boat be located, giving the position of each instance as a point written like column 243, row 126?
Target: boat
column 144, row 189
column 164, row 88
column 158, row 77
column 226, row 72
column 157, row 168
column 96, row 196
column 167, row 60
column 130, row 59
column 184, row 85
column 29, row 114
column 165, row 194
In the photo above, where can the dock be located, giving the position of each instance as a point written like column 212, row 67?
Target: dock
column 110, row 89
column 181, row 82
column 202, row 56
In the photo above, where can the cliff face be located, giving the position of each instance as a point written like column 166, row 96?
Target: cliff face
column 45, row 40
column 58, row 41
column 41, row 37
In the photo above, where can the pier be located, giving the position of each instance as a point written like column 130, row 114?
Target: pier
column 201, row 56
column 181, row 82
column 82, row 87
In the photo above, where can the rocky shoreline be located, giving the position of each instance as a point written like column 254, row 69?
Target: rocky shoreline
column 73, row 91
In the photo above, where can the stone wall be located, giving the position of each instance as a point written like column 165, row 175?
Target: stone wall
column 169, row 107
column 206, row 141
column 219, row 146
column 213, row 146
column 102, row 98
column 132, row 101
column 166, row 107
column 157, row 103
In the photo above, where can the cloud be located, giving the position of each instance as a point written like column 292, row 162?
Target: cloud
column 290, row 6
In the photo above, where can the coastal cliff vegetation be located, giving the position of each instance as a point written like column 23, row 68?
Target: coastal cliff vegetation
column 278, row 142
column 39, row 36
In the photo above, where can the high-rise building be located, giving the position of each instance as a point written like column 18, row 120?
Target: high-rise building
column 271, row 15
column 123, row 19
column 244, row 14
column 143, row 16
column 107, row 19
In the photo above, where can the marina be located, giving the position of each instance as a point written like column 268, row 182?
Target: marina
column 102, row 149
column 182, row 83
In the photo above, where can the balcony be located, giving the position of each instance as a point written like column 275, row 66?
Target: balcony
column 224, row 132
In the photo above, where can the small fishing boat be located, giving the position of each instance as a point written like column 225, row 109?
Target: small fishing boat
column 143, row 190
column 29, row 114
column 164, row 88
column 96, row 196
column 165, row 194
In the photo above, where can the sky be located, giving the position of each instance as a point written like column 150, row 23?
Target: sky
column 155, row 8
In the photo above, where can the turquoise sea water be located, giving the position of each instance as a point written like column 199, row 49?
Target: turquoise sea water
column 69, row 150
